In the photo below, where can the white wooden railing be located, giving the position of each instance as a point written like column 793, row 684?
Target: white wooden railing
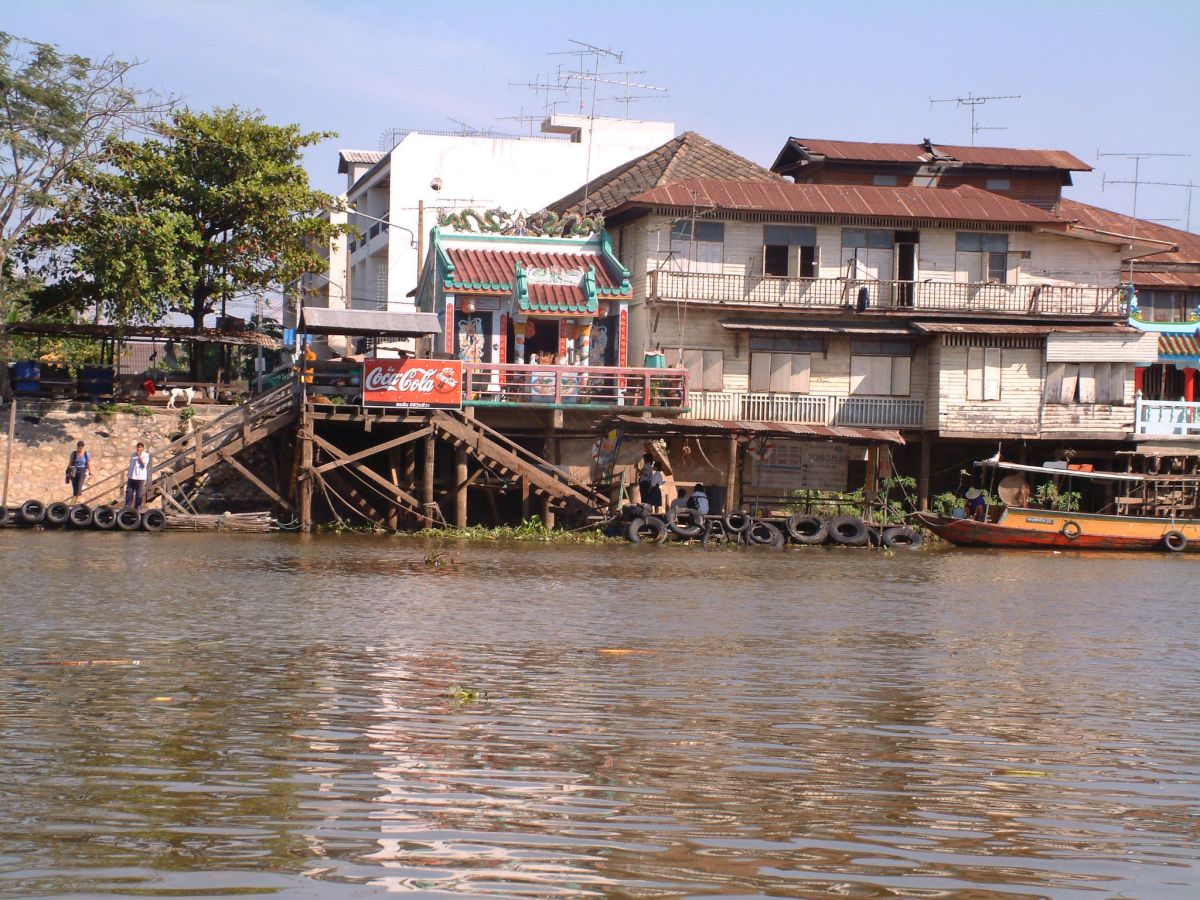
column 947, row 296
column 1173, row 418
column 805, row 409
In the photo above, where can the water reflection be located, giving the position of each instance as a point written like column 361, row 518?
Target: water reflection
column 276, row 715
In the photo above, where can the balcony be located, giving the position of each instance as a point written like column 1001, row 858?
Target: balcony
column 1166, row 418
column 921, row 296
column 806, row 409
column 574, row 387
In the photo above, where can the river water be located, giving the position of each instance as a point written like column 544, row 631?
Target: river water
column 296, row 716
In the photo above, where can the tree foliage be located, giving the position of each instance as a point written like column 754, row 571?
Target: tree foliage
column 214, row 206
column 58, row 112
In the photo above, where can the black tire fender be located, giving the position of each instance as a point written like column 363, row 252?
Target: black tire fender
column 80, row 516
column 651, row 528
column 689, row 528
column 128, row 519
column 766, row 534
column 1175, row 541
column 32, row 512
column 805, row 529
column 4, row 515
column 57, row 514
column 849, row 531
column 104, row 518
column 903, row 537
column 737, row 521
column 153, row 520
column 1071, row 530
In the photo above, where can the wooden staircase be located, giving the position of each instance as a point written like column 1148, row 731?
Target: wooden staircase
column 509, row 459
column 215, row 442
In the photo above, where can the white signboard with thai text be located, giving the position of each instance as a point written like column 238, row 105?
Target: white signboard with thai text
column 784, row 466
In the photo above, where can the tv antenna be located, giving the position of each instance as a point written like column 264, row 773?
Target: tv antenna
column 1137, row 165
column 545, row 88
column 522, row 120
column 1189, row 184
column 635, row 98
column 467, row 129
column 582, row 53
column 972, row 102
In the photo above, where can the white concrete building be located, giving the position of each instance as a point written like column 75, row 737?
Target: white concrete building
column 385, row 191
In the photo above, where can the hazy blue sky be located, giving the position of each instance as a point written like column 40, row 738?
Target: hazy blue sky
column 1091, row 75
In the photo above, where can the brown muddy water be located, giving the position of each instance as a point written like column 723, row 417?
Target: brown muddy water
column 275, row 715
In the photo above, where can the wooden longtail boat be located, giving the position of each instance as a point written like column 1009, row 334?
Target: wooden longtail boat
column 1051, row 529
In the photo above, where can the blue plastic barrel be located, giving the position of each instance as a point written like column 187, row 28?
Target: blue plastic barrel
column 26, row 377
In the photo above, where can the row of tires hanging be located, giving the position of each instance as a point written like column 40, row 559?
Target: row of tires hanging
column 80, row 516
column 637, row 526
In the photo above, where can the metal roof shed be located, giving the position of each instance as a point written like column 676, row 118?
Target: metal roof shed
column 367, row 323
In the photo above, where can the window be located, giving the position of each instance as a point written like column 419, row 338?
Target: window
column 790, row 250
column 867, row 254
column 998, row 184
column 880, row 367
column 697, row 246
column 883, row 180
column 1167, row 306
column 1097, row 382
column 706, row 368
column 782, row 365
column 983, row 373
column 980, row 257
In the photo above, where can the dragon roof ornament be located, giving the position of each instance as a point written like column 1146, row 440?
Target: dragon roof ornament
column 542, row 223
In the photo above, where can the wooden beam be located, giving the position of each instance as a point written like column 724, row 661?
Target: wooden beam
column 254, row 479
column 378, row 448
column 460, row 487
column 429, row 471
column 305, row 435
column 370, row 474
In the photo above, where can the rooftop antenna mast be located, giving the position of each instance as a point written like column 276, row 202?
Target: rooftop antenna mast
column 1137, row 165
column 582, row 53
column 546, row 88
column 971, row 102
column 635, row 98
column 521, row 120
column 1189, row 184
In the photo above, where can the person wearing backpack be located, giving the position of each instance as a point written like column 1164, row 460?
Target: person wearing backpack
column 79, row 470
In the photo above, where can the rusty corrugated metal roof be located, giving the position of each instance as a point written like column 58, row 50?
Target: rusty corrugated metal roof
column 958, row 204
column 1165, row 279
column 917, row 154
column 657, row 424
column 803, row 327
column 1005, row 328
column 1088, row 216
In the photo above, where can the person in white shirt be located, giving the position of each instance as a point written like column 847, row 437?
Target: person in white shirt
column 139, row 470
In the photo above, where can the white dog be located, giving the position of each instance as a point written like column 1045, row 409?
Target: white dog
column 186, row 393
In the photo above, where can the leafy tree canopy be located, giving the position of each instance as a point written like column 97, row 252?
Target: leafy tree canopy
column 214, row 206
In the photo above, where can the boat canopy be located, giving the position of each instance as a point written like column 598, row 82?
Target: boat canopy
column 1074, row 473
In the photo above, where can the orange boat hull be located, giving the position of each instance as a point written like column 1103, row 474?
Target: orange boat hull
column 1063, row 531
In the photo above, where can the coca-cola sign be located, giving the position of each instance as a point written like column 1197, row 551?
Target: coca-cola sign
column 420, row 383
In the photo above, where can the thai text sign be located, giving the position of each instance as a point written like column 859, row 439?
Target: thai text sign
column 797, row 466
column 419, row 383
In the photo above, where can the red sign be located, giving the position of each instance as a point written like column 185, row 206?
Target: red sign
column 418, row 383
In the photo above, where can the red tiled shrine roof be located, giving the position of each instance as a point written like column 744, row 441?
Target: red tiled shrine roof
column 495, row 271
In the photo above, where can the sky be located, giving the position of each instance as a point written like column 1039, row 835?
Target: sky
column 1093, row 77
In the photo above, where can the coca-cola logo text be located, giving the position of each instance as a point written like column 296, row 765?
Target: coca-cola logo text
column 420, row 381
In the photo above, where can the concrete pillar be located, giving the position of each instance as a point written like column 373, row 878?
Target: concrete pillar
column 731, row 474
column 923, row 474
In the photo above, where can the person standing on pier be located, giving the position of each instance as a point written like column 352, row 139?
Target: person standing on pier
column 79, row 470
column 139, row 470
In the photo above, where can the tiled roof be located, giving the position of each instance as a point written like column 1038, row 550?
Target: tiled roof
column 348, row 157
column 495, row 271
column 1106, row 220
column 688, row 156
column 556, row 298
column 1178, row 345
column 919, row 154
column 962, row 203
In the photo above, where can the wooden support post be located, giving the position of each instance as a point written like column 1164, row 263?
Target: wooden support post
column 525, row 508
column 12, row 431
column 305, row 488
column 393, row 517
column 427, row 474
column 410, row 469
column 460, row 487
column 731, row 474
column 548, row 512
column 923, row 474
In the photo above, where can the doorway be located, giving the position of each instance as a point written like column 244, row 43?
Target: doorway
column 906, row 266
column 543, row 341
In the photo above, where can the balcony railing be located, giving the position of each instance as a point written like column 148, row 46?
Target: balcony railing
column 943, row 296
column 806, row 409
column 1166, row 418
column 487, row 384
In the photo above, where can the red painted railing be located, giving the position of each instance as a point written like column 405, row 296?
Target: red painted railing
column 486, row 384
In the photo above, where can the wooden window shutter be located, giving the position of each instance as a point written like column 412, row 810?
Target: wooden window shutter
column 693, row 361
column 1118, row 376
column 1102, row 379
column 781, row 373
column 991, row 374
column 901, row 381
column 974, row 373
column 801, row 372
column 714, row 370
column 1069, row 380
column 860, row 370
column 760, row 371
column 1054, row 379
column 1087, row 383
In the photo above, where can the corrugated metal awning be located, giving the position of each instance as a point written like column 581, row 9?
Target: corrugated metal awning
column 793, row 327
column 1007, row 328
column 658, row 425
column 1178, row 345
column 367, row 322
column 1139, row 347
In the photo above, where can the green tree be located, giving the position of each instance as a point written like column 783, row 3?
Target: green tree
column 215, row 206
column 57, row 112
